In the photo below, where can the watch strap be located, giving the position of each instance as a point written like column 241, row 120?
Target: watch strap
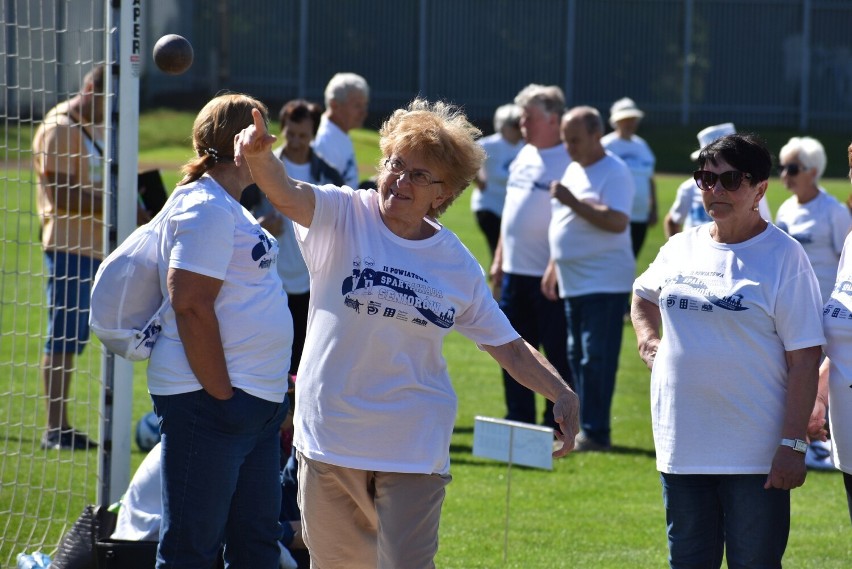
column 797, row 445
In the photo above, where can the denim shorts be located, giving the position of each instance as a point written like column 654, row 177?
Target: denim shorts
column 69, row 291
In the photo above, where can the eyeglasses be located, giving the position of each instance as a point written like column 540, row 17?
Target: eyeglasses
column 791, row 169
column 731, row 180
column 417, row 177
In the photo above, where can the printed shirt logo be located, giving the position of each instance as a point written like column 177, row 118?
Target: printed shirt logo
column 395, row 293
column 260, row 251
column 732, row 302
column 838, row 306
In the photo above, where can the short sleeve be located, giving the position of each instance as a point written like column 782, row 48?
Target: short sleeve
column 203, row 240
column 798, row 307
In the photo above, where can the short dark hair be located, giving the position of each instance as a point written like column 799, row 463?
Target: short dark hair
column 96, row 78
column 298, row 110
column 745, row 152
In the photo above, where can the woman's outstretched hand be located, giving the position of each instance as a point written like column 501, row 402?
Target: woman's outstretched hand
column 253, row 140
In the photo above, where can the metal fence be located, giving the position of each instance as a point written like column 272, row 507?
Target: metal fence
column 776, row 63
column 780, row 63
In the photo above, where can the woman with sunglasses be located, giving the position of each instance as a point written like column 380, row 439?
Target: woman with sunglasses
column 734, row 375
column 835, row 373
column 811, row 216
column 375, row 406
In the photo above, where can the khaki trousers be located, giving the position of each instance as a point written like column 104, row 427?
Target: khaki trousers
column 360, row 519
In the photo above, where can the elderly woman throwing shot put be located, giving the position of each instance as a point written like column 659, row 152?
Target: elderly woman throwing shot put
column 734, row 376
column 375, row 405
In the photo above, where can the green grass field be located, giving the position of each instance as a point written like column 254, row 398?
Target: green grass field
column 591, row 510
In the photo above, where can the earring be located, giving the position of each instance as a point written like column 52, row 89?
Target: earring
column 755, row 208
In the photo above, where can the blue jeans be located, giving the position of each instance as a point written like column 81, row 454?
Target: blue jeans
column 541, row 323
column 220, row 475
column 595, row 326
column 707, row 512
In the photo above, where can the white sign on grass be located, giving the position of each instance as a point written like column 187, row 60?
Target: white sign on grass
column 514, row 442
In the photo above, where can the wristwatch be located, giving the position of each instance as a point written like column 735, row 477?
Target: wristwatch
column 797, row 445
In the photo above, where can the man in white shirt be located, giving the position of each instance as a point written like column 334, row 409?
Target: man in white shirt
column 347, row 96
column 592, row 259
column 522, row 251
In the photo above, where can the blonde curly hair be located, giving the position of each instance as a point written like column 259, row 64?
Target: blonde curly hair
column 441, row 135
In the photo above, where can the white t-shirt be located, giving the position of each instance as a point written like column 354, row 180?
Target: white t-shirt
column 641, row 160
column 142, row 505
column 729, row 314
column 588, row 259
column 837, row 322
column 373, row 391
column 208, row 232
column 500, row 154
column 821, row 226
column 335, row 147
column 526, row 213
column 688, row 207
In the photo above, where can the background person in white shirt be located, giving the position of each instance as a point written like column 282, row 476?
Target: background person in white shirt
column 624, row 117
column 811, row 216
column 835, row 373
column 489, row 191
column 347, row 97
column 299, row 120
column 593, row 262
column 522, row 254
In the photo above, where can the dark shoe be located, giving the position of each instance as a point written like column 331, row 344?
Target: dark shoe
column 69, row 439
column 583, row 443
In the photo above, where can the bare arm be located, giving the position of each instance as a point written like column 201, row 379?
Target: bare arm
column 653, row 215
column 816, row 424
column 294, row 199
column 788, row 466
column 193, row 296
column 531, row 369
column 549, row 282
column 496, row 271
column 647, row 322
column 599, row 215
column 670, row 227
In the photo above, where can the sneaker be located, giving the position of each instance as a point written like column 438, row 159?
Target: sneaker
column 55, row 439
column 818, row 456
column 584, row 443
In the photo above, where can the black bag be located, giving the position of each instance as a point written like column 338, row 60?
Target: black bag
column 77, row 548
column 120, row 554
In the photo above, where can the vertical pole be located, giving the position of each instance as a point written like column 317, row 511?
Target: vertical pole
column 123, row 54
column 804, row 85
column 11, row 47
column 570, row 34
column 688, row 60
column 303, row 49
column 508, row 492
column 422, row 60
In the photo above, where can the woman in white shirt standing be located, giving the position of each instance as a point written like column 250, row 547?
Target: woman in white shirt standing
column 218, row 373
column 811, row 216
column 734, row 374
column 835, row 373
column 489, row 191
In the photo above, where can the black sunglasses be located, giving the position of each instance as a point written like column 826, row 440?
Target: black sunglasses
column 792, row 169
column 731, row 180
